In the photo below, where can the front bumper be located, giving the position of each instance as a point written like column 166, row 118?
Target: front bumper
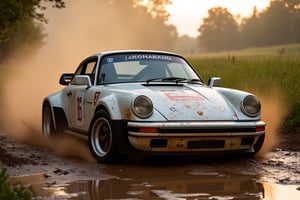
column 195, row 136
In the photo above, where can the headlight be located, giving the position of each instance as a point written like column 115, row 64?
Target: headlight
column 250, row 106
column 142, row 107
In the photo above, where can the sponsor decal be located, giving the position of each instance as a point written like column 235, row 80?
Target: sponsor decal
column 139, row 57
column 110, row 60
column 177, row 96
column 148, row 57
column 96, row 97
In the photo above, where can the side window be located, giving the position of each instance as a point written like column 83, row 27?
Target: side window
column 90, row 67
column 87, row 67
column 90, row 70
column 78, row 71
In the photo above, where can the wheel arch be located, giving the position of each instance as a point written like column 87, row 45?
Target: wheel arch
column 108, row 108
column 58, row 115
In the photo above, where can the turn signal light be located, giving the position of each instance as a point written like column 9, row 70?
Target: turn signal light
column 148, row 130
column 260, row 128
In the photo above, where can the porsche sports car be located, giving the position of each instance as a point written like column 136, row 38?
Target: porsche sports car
column 151, row 102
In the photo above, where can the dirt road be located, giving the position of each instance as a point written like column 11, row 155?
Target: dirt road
column 59, row 176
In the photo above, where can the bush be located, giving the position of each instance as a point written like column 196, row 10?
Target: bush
column 12, row 192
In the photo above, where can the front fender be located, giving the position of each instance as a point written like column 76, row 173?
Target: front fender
column 118, row 105
column 234, row 98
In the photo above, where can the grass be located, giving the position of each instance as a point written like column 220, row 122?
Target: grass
column 258, row 69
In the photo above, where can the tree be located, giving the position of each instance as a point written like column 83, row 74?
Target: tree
column 251, row 30
column 275, row 22
column 219, row 31
column 18, row 24
column 14, row 13
column 155, row 7
column 278, row 24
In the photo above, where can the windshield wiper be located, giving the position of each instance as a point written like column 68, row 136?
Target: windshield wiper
column 198, row 81
column 176, row 80
column 168, row 79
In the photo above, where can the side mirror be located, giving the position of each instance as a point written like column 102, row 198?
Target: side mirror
column 65, row 78
column 82, row 80
column 214, row 82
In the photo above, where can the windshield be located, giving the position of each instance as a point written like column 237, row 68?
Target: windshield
column 144, row 67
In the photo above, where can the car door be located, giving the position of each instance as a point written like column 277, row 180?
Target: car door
column 76, row 96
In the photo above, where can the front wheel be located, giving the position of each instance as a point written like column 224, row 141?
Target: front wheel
column 258, row 145
column 102, row 139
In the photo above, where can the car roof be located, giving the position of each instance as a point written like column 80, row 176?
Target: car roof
column 135, row 51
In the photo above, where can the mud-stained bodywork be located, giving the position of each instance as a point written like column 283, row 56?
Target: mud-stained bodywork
column 151, row 102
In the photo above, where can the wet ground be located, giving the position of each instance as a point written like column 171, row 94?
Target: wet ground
column 276, row 176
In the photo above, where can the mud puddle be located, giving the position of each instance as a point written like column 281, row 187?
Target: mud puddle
column 172, row 179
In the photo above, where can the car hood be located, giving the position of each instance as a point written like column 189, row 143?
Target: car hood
column 187, row 102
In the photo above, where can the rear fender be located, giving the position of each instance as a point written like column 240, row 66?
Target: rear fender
column 57, row 110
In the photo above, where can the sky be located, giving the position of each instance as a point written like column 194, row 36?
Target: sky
column 187, row 15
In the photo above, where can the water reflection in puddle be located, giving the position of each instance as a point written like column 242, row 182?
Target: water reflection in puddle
column 187, row 187
column 176, row 182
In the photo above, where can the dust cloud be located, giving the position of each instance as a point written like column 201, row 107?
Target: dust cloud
column 72, row 34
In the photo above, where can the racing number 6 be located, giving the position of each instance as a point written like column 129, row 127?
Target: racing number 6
column 79, row 109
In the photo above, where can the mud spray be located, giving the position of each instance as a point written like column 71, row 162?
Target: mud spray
column 273, row 113
column 72, row 35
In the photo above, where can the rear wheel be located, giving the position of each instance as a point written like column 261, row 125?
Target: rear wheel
column 102, row 139
column 48, row 127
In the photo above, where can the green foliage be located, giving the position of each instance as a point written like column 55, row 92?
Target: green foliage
column 27, row 34
column 18, row 27
column 15, row 12
column 15, row 192
column 274, row 67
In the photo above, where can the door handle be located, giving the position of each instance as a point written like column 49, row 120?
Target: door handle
column 69, row 93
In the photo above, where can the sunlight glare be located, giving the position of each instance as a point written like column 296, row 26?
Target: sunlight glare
column 187, row 15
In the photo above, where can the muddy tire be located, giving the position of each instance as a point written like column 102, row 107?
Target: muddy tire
column 258, row 145
column 102, row 139
column 48, row 127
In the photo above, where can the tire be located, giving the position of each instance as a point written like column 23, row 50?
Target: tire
column 102, row 139
column 258, row 145
column 48, row 122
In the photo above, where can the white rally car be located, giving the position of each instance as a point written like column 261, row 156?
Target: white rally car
column 151, row 102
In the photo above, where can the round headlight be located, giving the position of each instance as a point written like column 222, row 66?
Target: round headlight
column 250, row 106
column 142, row 106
